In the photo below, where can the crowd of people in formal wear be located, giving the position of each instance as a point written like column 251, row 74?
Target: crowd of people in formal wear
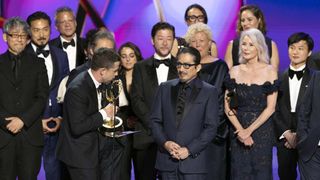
column 188, row 114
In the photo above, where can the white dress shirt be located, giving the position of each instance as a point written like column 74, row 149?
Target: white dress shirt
column 162, row 70
column 97, row 84
column 294, row 88
column 71, row 52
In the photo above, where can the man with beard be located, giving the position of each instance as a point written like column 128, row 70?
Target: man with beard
column 23, row 95
column 68, row 40
column 147, row 75
column 56, row 62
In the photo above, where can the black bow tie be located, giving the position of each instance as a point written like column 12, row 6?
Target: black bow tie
column 65, row 44
column 45, row 53
column 299, row 74
column 157, row 62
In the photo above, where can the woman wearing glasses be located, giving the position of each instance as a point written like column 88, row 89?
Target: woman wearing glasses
column 253, row 85
column 214, row 71
column 194, row 14
column 250, row 16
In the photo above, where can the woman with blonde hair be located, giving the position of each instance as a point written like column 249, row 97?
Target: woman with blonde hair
column 249, row 103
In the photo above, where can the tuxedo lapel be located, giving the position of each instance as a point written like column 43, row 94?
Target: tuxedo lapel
column 174, row 97
column 304, row 84
column 172, row 74
column 55, row 66
column 193, row 96
column 152, row 73
column 286, row 90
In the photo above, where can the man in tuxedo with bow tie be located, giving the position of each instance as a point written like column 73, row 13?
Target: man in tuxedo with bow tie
column 184, row 120
column 147, row 75
column 78, row 143
column 68, row 40
column 56, row 62
column 294, row 83
column 23, row 96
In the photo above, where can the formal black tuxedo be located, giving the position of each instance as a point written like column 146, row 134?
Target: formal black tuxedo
column 24, row 97
column 60, row 70
column 195, row 131
column 78, row 140
column 143, row 89
column 308, row 130
column 80, row 57
column 284, row 120
column 53, row 109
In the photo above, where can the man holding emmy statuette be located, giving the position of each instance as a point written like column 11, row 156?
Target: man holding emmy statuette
column 78, row 143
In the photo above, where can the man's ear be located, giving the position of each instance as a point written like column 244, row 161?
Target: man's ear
column 5, row 36
column 152, row 41
column 309, row 54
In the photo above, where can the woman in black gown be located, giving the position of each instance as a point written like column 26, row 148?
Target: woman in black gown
column 214, row 71
column 250, row 16
column 130, row 54
column 254, row 84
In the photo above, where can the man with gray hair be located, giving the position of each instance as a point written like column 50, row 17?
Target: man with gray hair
column 68, row 40
column 99, row 39
column 23, row 96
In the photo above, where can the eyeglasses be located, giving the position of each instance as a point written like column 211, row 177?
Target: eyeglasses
column 184, row 65
column 18, row 36
column 193, row 18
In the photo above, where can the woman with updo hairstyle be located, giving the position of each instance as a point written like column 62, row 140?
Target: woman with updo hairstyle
column 250, row 16
column 130, row 54
column 214, row 71
column 250, row 101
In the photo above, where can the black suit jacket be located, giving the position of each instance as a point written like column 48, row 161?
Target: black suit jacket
column 282, row 117
column 74, row 73
column 24, row 97
column 78, row 140
column 308, row 129
column 144, row 86
column 196, row 130
column 60, row 70
column 81, row 57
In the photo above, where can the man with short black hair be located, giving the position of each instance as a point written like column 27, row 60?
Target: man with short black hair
column 78, row 143
column 184, row 119
column 291, row 91
column 147, row 75
column 57, row 66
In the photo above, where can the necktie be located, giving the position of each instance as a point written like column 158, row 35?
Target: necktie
column 15, row 65
column 39, row 51
column 102, row 90
column 157, row 62
column 65, row 44
column 182, row 97
column 299, row 74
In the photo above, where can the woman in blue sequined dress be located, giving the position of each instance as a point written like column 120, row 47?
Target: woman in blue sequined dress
column 254, row 84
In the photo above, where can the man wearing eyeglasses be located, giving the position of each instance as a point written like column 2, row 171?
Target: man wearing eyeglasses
column 23, row 96
column 68, row 40
column 184, row 120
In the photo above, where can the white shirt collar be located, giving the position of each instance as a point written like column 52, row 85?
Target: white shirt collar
column 298, row 69
column 34, row 47
column 156, row 56
column 74, row 38
column 96, row 83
